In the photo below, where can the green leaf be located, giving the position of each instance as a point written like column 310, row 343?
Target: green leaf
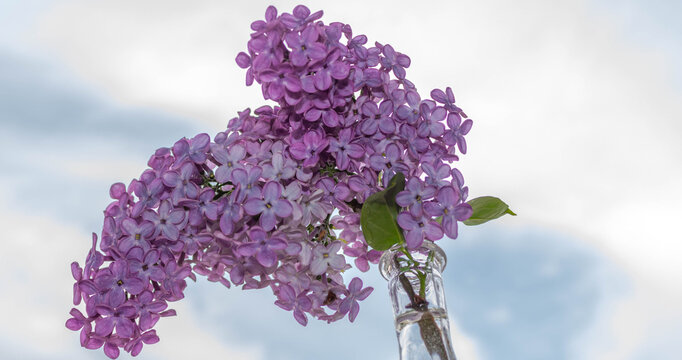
column 487, row 208
column 379, row 214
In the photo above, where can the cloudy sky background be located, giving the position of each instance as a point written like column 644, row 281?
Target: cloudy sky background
column 576, row 109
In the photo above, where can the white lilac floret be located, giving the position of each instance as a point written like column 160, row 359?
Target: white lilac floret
column 274, row 201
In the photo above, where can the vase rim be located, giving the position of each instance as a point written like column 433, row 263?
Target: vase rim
column 387, row 267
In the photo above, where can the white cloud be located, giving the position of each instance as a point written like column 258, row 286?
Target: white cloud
column 639, row 326
column 575, row 126
column 465, row 346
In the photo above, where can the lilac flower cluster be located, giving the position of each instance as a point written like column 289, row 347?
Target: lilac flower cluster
column 274, row 201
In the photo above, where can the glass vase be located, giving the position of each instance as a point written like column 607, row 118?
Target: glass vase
column 416, row 289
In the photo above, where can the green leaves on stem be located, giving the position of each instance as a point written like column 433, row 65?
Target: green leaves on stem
column 487, row 208
column 378, row 217
column 379, row 214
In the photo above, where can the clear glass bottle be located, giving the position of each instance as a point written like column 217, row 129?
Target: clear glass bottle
column 416, row 289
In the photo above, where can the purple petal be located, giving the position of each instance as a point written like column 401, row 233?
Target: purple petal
column 450, row 226
column 355, row 285
column 111, row 350
column 414, row 239
column 298, row 58
column 104, row 326
column 364, row 293
column 243, row 60
column 283, row 208
column 254, row 206
column 344, row 306
column 272, row 191
column 125, row 327
column 266, row 257
column 447, row 195
column 135, row 285
column 267, row 220
column 463, row 211
column 433, row 231
column 74, row 324
column 300, row 317
column 354, row 310
column 406, row 221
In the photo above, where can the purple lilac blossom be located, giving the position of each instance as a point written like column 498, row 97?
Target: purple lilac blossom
column 255, row 207
column 350, row 303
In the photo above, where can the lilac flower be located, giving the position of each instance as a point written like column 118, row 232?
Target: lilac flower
column 269, row 51
column 301, row 16
column 458, row 183
column 409, row 112
column 258, row 151
column 145, row 265
column 148, row 195
column 309, row 150
column 288, row 274
column 432, row 125
column 418, row 228
column 455, row 135
column 446, row 98
column 247, row 182
column 135, row 234
column 182, row 182
column 305, row 46
column 377, row 118
column 194, row 149
column 135, row 345
column 288, row 300
column 436, row 174
column 281, row 168
column 228, row 160
column 148, row 309
column 350, row 305
column 414, row 195
column 388, row 161
column 244, row 61
column 263, row 246
column 363, row 256
column 117, row 279
column 231, row 213
column 449, row 207
column 415, row 145
column 194, row 240
column 280, row 80
column 344, row 149
column 394, row 61
column 165, row 221
column 356, row 46
column 333, row 68
column 115, row 317
column 360, row 186
column 161, row 160
column 327, row 257
column 314, row 207
column 269, row 206
column 174, row 282
column 77, row 321
column 203, row 208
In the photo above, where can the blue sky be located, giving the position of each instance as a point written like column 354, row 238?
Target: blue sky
column 587, row 95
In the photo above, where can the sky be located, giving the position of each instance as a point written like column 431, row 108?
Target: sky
column 576, row 109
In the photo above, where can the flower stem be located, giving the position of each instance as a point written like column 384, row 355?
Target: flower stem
column 428, row 328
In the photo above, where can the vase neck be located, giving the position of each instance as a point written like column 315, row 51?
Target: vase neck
column 416, row 289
